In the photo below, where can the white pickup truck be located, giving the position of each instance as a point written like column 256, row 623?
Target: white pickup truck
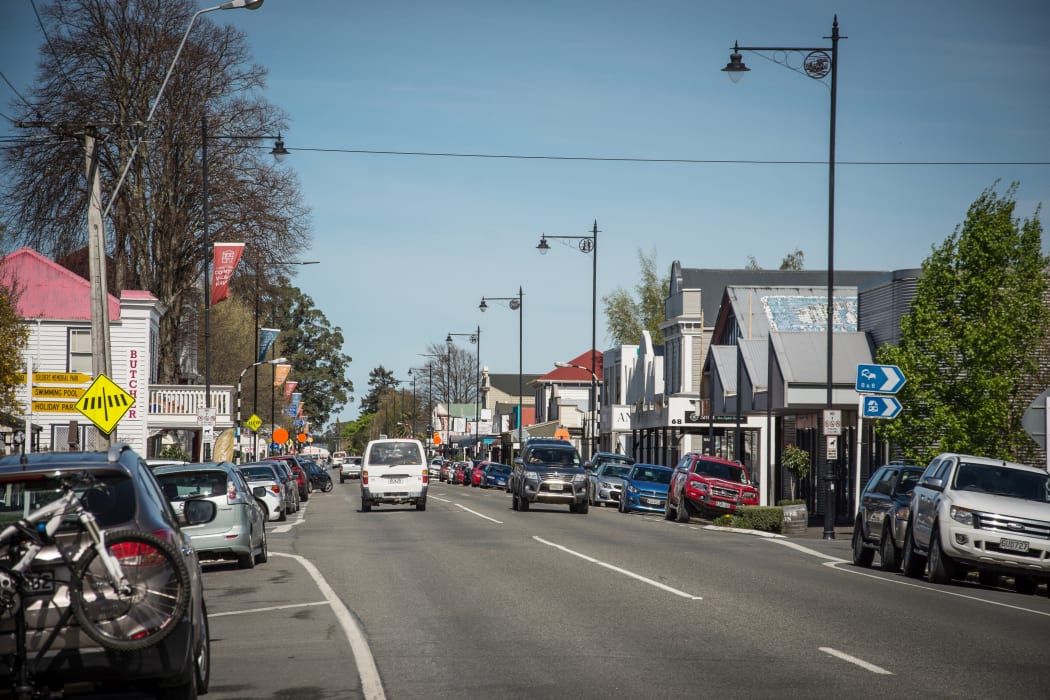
column 974, row 513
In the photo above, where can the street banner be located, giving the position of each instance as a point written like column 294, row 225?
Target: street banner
column 225, row 259
column 280, row 373
column 266, row 338
column 289, row 387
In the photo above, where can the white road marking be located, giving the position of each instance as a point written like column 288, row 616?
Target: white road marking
column 811, row 552
column 371, row 685
column 617, row 569
column 474, row 512
column 287, row 527
column 443, row 500
column 267, row 609
column 854, row 660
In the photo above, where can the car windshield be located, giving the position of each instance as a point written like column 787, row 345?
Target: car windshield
column 729, row 472
column 179, row 486
column 258, row 473
column 553, row 455
column 498, row 469
column 1002, row 480
column 111, row 500
column 908, row 479
column 394, row 453
column 656, row 476
column 610, row 469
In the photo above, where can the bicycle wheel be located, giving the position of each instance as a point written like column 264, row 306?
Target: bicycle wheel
column 160, row 592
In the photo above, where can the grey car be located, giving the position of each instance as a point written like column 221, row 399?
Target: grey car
column 267, row 487
column 607, row 483
column 882, row 518
column 238, row 530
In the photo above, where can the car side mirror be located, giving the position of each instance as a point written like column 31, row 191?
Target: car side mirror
column 519, row 461
column 199, row 511
column 935, row 484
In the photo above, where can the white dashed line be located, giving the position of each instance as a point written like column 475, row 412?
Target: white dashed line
column 474, row 512
column 854, row 660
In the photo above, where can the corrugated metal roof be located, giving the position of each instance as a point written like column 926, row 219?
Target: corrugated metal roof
column 50, row 291
column 803, row 356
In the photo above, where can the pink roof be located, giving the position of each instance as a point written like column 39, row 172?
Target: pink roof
column 48, row 290
column 572, row 374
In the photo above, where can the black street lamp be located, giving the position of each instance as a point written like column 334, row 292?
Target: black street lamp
column 430, row 393
column 587, row 244
column 475, row 338
column 818, row 63
column 516, row 304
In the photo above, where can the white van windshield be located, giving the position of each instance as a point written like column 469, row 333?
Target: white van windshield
column 394, row 453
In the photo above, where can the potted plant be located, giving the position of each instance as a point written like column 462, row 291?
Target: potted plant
column 796, row 516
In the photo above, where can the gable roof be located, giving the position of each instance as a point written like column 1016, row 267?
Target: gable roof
column 574, row 375
column 508, row 383
column 50, row 291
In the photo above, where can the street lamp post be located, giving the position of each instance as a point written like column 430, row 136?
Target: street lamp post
column 259, row 265
column 587, row 244
column 516, row 304
column 240, row 379
column 475, row 338
column 818, row 64
column 430, row 393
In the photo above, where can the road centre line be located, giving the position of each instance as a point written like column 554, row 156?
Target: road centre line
column 617, row 569
column 371, row 685
column 854, row 660
column 901, row 582
column 270, row 608
column 436, row 498
column 474, row 512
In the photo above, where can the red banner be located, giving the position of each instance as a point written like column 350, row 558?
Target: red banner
column 225, row 259
column 289, row 387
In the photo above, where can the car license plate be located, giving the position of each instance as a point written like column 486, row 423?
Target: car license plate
column 556, row 487
column 40, row 584
column 653, row 501
column 723, row 504
column 1013, row 545
column 394, row 482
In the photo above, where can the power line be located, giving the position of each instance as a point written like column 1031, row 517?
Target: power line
column 685, row 161
column 54, row 54
column 24, row 100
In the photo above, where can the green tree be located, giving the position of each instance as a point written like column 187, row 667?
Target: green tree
column 967, row 342
column 627, row 316
column 792, row 261
column 14, row 335
column 380, row 382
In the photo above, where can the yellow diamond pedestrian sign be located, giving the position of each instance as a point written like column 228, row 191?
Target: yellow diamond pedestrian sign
column 104, row 403
column 255, row 422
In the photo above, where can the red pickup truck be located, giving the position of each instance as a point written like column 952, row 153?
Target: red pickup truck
column 703, row 484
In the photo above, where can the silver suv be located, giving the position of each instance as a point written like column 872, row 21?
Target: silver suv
column 974, row 513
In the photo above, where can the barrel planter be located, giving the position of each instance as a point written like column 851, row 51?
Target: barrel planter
column 796, row 519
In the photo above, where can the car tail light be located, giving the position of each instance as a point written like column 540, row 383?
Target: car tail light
column 426, row 475
column 130, row 554
column 232, row 497
column 364, row 478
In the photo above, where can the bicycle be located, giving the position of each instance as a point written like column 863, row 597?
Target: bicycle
column 127, row 589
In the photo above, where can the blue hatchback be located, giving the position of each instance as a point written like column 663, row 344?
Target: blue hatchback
column 645, row 488
column 495, row 476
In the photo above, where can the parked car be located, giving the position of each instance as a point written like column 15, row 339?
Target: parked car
column 459, row 473
column 319, row 477
column 600, row 458
column 607, row 481
column 477, row 473
column 351, row 468
column 882, row 518
column 445, row 474
column 549, row 471
column 290, row 483
column 267, row 487
column 496, row 475
column 299, row 472
column 645, row 488
column 179, row 666
column 238, row 530
column 435, row 468
column 395, row 471
column 972, row 513
column 709, row 486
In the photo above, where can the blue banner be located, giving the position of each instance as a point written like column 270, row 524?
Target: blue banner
column 266, row 338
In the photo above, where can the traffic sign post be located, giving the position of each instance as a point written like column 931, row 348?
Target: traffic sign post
column 880, row 407
column 104, row 404
column 879, row 379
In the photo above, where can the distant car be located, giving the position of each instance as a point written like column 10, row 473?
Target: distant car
column 60, row 652
column 882, row 519
column 435, row 468
column 319, row 477
column 496, row 475
column 351, row 468
column 477, row 474
column 645, row 488
column 607, row 482
column 266, row 486
column 600, row 458
column 298, row 471
column 239, row 528
column 395, row 472
column 290, row 483
column 445, row 474
column 338, row 458
column 459, row 473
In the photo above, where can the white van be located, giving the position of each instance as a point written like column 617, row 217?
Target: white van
column 394, row 471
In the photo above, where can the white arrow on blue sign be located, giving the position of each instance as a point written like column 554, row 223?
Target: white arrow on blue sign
column 881, row 407
column 882, row 379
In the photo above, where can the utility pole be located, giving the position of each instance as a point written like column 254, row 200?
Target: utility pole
column 100, row 356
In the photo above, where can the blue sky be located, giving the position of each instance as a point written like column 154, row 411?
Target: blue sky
column 410, row 244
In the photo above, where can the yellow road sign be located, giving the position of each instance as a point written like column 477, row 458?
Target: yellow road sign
column 57, row 392
column 255, row 422
column 104, row 403
column 54, row 407
column 54, row 378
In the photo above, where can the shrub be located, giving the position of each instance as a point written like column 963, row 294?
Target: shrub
column 725, row 520
column 764, row 518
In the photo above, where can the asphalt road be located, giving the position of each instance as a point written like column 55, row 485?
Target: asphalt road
column 470, row 599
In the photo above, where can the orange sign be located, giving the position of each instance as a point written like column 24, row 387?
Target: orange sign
column 437, row 438
column 561, row 434
column 301, row 437
column 280, row 436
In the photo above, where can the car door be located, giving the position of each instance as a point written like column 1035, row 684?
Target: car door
column 925, row 499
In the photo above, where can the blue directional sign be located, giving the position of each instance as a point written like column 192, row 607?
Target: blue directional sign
column 881, row 407
column 881, row 379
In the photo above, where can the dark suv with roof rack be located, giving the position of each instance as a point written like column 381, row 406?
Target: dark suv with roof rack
column 549, row 471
